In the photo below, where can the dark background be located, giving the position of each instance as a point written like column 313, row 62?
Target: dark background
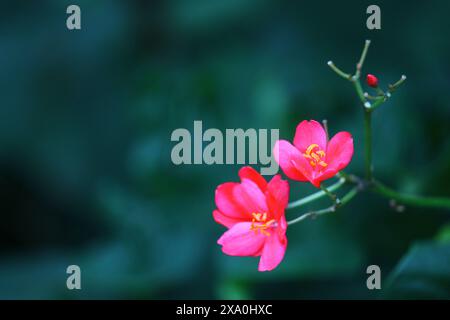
column 85, row 124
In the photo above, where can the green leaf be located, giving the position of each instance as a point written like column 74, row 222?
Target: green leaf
column 423, row 273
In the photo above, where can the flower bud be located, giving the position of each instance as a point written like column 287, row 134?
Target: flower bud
column 372, row 81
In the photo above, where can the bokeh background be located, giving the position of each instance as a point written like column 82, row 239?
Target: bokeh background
column 85, row 124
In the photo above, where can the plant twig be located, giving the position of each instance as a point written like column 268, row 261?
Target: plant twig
column 360, row 63
column 339, row 71
column 359, row 91
column 393, row 87
column 409, row 199
column 331, row 195
column 317, row 195
column 345, row 199
column 378, row 102
column 368, row 144
column 361, row 184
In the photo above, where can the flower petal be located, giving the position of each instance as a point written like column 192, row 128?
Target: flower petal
column 285, row 155
column 339, row 151
column 304, row 166
column 253, row 175
column 225, row 220
column 277, row 196
column 322, row 176
column 227, row 203
column 241, row 241
column 250, row 197
column 273, row 251
column 308, row 133
column 282, row 225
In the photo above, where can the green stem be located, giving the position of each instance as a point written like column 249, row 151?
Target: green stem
column 316, row 195
column 350, row 195
column 311, row 214
column 394, row 86
column 370, row 97
column 361, row 60
column 330, row 194
column 377, row 103
column 421, row 201
column 347, row 197
column 368, row 143
column 359, row 91
column 338, row 71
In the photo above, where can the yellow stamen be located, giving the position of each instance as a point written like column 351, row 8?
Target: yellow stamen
column 259, row 223
column 316, row 156
column 323, row 164
column 310, row 148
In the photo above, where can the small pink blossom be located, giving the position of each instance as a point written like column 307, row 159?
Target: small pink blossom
column 312, row 158
column 253, row 212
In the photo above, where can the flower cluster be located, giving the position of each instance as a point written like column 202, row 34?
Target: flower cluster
column 254, row 209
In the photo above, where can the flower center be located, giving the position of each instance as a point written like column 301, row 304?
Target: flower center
column 315, row 156
column 259, row 222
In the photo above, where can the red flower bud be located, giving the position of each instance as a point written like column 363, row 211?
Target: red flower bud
column 372, row 80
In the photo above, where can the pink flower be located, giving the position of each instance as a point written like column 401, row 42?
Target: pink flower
column 313, row 158
column 253, row 212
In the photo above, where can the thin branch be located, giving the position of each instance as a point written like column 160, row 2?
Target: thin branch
column 317, row 195
column 312, row 214
column 378, row 102
column 370, row 97
column 339, row 71
column 345, row 199
column 437, row 202
column 393, row 87
column 331, row 195
column 359, row 65
column 409, row 199
column 368, row 144
column 360, row 91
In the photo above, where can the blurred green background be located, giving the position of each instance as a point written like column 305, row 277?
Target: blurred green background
column 85, row 124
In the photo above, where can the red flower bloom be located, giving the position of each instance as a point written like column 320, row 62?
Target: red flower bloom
column 253, row 210
column 372, row 81
column 312, row 158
